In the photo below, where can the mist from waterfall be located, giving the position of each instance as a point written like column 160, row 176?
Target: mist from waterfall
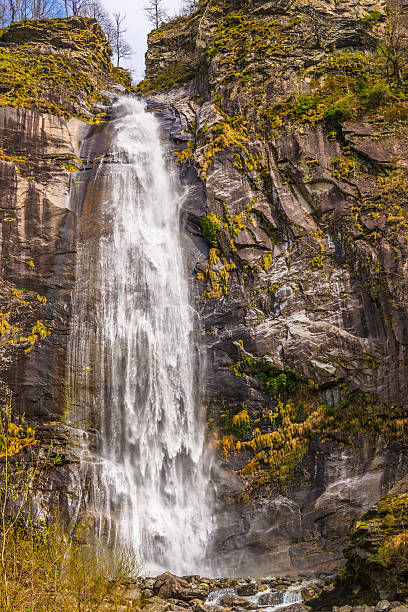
column 133, row 359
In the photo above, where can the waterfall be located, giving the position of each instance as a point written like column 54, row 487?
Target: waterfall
column 132, row 357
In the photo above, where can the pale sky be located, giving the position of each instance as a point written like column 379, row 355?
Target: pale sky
column 137, row 27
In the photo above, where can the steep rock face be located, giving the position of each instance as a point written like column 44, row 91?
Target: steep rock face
column 45, row 161
column 299, row 141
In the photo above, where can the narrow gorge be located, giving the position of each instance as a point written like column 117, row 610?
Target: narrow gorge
column 204, row 297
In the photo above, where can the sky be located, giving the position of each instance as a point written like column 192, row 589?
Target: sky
column 137, row 28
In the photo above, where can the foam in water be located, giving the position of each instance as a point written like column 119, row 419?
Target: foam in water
column 133, row 350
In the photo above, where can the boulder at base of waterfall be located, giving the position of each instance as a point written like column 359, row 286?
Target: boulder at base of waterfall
column 168, row 585
column 246, row 590
column 160, row 605
column 197, row 605
column 297, row 607
column 274, row 598
column 232, row 601
column 178, row 603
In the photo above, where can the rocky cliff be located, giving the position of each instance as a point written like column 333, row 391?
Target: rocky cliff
column 290, row 123
column 56, row 88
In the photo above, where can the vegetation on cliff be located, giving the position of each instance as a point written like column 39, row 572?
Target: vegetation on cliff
column 44, row 564
column 61, row 66
column 376, row 558
column 274, row 441
column 305, row 108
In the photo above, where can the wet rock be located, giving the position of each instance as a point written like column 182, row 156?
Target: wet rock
column 246, row 590
column 297, row 607
column 198, row 606
column 232, row 601
column 382, row 606
column 192, row 579
column 309, row 592
column 178, row 602
column 148, row 583
column 271, row 599
column 168, row 585
column 156, row 604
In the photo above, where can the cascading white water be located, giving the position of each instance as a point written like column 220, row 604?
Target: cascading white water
column 133, row 364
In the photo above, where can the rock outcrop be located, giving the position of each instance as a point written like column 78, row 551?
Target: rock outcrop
column 296, row 134
column 376, row 559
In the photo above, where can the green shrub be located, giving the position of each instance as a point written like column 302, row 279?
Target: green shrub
column 371, row 18
column 342, row 110
column 374, row 95
column 211, row 227
column 304, row 103
column 276, row 381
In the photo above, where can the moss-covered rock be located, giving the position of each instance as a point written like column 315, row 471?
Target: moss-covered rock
column 377, row 558
column 61, row 66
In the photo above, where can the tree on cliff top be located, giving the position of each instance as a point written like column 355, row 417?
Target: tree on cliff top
column 17, row 10
column 121, row 48
column 393, row 46
column 155, row 12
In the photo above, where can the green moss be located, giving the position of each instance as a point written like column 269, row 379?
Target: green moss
column 123, row 77
column 185, row 153
column 228, row 134
column 12, row 158
column 216, row 275
column 60, row 81
column 211, row 227
column 377, row 557
column 174, row 75
column 344, row 85
column 344, row 166
column 240, row 36
column 238, row 424
column 298, row 412
column 372, row 18
column 272, row 379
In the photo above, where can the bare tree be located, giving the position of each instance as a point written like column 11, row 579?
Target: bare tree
column 75, row 7
column 393, row 46
column 155, row 12
column 13, row 11
column 93, row 9
column 189, row 6
column 4, row 13
column 18, row 10
column 43, row 8
column 121, row 48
